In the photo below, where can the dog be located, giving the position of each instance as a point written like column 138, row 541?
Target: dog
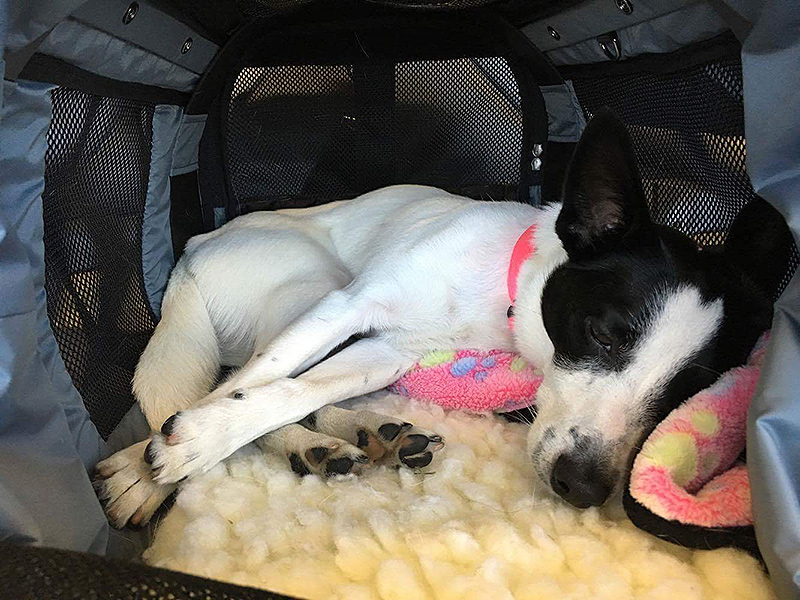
column 625, row 317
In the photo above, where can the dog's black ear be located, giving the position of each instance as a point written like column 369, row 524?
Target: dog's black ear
column 604, row 203
column 759, row 245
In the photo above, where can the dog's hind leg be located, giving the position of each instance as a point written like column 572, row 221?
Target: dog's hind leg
column 335, row 318
column 313, row 452
column 181, row 362
column 196, row 439
column 178, row 367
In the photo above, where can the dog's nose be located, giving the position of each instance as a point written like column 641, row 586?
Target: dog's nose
column 578, row 480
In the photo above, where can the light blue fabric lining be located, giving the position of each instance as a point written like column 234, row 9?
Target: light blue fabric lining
column 770, row 67
column 31, row 18
column 184, row 159
column 47, row 441
column 157, row 256
column 176, row 137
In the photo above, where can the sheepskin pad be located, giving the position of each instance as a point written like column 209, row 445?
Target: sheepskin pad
column 473, row 525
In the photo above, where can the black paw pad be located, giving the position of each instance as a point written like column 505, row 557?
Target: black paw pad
column 339, row 466
column 317, row 455
column 169, row 424
column 363, row 438
column 413, row 444
column 389, row 431
column 298, row 466
column 148, row 454
column 417, row 462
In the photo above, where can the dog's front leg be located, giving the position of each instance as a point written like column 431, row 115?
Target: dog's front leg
column 192, row 441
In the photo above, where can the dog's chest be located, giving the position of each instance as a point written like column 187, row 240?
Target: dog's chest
column 449, row 293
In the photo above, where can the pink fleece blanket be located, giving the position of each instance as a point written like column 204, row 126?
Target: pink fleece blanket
column 685, row 485
column 472, row 380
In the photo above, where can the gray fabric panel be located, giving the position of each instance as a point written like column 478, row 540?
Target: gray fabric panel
column 3, row 29
column 26, row 117
column 663, row 34
column 565, row 120
column 770, row 59
column 151, row 29
column 587, row 20
column 46, row 439
column 184, row 158
column 131, row 429
column 31, row 18
column 157, row 256
column 98, row 52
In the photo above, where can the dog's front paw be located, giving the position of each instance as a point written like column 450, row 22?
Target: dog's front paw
column 125, row 486
column 191, row 442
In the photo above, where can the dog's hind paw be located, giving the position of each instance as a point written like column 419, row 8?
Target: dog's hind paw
column 124, row 484
column 415, row 448
column 384, row 439
column 311, row 452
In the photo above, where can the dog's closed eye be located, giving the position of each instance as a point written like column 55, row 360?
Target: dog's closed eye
column 600, row 336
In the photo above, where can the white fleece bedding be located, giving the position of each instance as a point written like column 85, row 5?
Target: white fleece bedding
column 470, row 527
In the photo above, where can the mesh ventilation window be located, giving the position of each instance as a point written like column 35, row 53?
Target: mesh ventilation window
column 307, row 134
column 97, row 168
column 688, row 131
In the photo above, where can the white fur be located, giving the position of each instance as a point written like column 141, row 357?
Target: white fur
column 418, row 268
column 471, row 527
column 415, row 268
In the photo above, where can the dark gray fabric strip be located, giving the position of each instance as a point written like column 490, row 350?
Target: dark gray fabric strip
column 151, row 30
column 596, row 17
column 98, row 52
column 666, row 33
column 565, row 120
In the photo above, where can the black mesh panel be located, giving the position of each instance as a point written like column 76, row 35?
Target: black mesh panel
column 97, row 168
column 315, row 133
column 688, row 130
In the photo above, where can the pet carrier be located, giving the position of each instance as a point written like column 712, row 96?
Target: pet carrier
column 126, row 127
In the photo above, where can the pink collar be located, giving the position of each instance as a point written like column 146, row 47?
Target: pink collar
column 523, row 250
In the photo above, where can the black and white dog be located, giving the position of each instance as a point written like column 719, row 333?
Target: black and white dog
column 626, row 318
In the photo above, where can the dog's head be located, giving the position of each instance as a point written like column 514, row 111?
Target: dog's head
column 639, row 317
